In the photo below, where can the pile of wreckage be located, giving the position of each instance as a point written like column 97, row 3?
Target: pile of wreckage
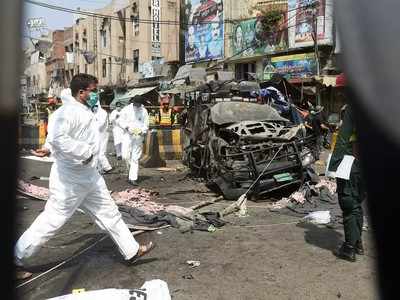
column 140, row 210
column 242, row 132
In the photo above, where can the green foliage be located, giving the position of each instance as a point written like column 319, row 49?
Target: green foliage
column 270, row 19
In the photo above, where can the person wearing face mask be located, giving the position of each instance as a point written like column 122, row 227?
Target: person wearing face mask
column 118, row 132
column 75, row 181
column 134, row 119
column 102, row 120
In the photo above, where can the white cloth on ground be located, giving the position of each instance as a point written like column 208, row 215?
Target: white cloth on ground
column 155, row 289
column 73, row 184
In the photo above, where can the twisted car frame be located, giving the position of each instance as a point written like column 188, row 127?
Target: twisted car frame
column 235, row 143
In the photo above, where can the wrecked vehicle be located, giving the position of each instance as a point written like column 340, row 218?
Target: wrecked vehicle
column 232, row 140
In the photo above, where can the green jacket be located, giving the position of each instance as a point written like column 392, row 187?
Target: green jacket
column 344, row 141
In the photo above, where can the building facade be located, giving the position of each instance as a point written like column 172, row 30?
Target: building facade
column 35, row 72
column 55, row 65
column 115, row 44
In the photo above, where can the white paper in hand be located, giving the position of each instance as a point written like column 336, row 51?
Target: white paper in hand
column 344, row 169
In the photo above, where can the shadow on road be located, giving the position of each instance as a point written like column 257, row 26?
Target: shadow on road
column 321, row 237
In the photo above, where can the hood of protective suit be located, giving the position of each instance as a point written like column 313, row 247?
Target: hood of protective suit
column 66, row 96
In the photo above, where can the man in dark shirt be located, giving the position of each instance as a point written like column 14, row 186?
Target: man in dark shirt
column 351, row 192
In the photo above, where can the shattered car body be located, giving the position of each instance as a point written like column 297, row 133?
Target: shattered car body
column 231, row 143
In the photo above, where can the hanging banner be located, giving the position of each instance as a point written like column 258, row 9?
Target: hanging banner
column 204, row 38
column 291, row 66
column 303, row 16
column 250, row 39
column 155, row 28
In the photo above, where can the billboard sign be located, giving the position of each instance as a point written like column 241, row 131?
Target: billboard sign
column 36, row 24
column 303, row 16
column 155, row 28
column 204, row 37
column 249, row 39
column 291, row 66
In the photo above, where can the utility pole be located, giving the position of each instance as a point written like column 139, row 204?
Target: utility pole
column 96, row 60
column 316, row 52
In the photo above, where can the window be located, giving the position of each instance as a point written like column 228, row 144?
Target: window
column 86, row 69
column 109, row 62
column 136, row 61
column 135, row 23
column 77, row 70
column 103, row 35
column 84, row 44
column 242, row 70
column 104, row 67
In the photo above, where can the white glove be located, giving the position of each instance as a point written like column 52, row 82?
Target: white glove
column 136, row 131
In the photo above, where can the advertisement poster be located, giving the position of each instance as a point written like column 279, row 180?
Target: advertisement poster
column 204, row 37
column 291, row 66
column 303, row 16
column 249, row 39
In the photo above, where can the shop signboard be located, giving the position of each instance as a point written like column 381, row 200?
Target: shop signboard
column 204, row 37
column 291, row 66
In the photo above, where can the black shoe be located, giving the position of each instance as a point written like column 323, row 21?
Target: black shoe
column 133, row 182
column 346, row 252
column 359, row 248
column 119, row 158
column 106, row 171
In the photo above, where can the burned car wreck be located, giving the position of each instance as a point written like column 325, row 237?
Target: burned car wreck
column 232, row 141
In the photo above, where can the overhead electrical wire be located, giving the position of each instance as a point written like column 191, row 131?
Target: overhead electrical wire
column 143, row 21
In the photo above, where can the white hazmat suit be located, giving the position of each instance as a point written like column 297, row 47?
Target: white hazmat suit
column 118, row 132
column 73, row 184
column 102, row 121
column 135, row 122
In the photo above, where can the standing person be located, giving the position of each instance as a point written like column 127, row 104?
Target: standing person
column 74, row 180
column 102, row 120
column 134, row 119
column 351, row 192
column 165, row 115
column 118, row 132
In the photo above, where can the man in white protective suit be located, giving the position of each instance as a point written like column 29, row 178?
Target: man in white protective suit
column 134, row 119
column 102, row 120
column 65, row 96
column 75, row 181
column 118, row 132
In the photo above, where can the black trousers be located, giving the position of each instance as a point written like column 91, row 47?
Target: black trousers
column 351, row 194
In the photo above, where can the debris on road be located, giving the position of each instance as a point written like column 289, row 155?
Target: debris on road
column 33, row 189
column 193, row 263
column 318, row 217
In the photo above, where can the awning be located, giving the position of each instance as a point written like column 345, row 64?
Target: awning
column 180, row 89
column 136, row 92
column 197, row 75
column 124, row 99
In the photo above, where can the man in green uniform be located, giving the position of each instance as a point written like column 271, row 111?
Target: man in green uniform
column 351, row 192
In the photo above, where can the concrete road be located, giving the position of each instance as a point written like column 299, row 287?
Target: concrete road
column 263, row 256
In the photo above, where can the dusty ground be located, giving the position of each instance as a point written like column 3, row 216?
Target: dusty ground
column 263, row 256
